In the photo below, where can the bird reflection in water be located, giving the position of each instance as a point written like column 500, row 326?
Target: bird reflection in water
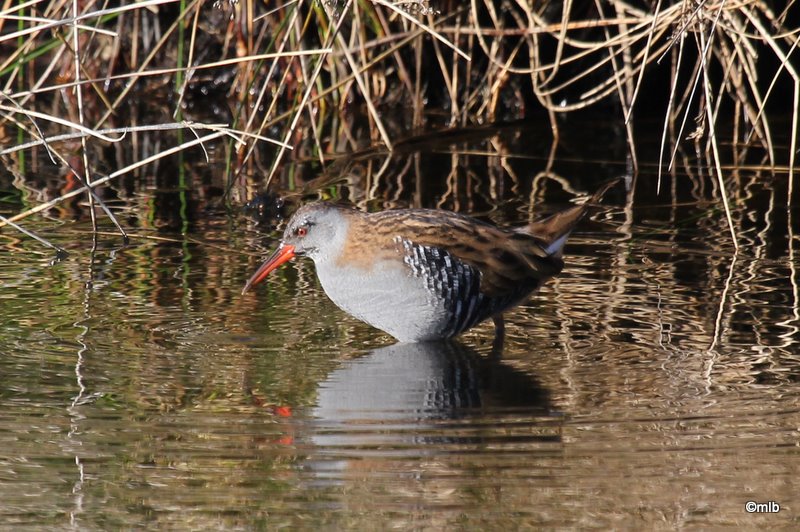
column 420, row 410
column 415, row 388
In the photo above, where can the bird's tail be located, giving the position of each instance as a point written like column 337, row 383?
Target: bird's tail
column 554, row 230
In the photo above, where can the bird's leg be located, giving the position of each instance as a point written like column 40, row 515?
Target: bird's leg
column 499, row 335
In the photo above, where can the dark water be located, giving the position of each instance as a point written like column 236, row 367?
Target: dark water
column 655, row 384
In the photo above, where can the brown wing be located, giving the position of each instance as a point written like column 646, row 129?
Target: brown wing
column 509, row 262
column 463, row 259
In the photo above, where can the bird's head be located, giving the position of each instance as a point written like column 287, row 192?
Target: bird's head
column 315, row 230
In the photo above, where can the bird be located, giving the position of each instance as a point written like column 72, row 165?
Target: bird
column 424, row 274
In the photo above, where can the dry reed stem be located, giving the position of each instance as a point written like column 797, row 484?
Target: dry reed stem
column 189, row 70
column 784, row 57
column 304, row 71
column 360, row 81
column 704, row 18
column 30, row 114
column 5, row 221
column 571, row 62
column 306, row 94
column 55, row 155
column 170, row 70
column 438, row 36
column 712, row 119
column 645, row 59
column 52, row 24
column 86, row 170
column 262, row 94
column 132, row 129
column 122, row 171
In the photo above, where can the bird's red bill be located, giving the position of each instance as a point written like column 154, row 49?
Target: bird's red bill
column 283, row 254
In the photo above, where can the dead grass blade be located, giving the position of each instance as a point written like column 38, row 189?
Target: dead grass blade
column 113, row 175
column 60, row 252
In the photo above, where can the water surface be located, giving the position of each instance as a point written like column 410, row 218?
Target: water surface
column 654, row 384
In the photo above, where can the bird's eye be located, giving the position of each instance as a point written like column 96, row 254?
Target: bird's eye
column 301, row 231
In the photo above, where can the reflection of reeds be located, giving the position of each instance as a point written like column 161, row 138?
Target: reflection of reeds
column 295, row 72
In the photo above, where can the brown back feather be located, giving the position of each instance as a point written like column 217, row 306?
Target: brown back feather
column 509, row 260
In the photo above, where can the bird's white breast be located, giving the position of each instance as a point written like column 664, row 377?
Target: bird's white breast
column 387, row 296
